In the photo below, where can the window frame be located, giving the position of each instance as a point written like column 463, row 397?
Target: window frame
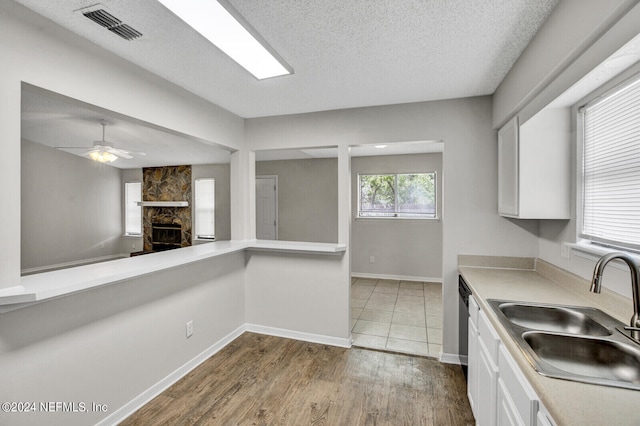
column 197, row 217
column 585, row 241
column 396, row 215
column 127, row 211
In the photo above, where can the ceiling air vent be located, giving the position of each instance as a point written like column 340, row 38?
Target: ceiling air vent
column 110, row 22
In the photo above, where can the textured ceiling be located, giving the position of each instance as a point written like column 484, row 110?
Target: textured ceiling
column 344, row 54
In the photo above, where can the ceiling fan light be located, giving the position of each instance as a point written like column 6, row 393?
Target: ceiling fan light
column 102, row 156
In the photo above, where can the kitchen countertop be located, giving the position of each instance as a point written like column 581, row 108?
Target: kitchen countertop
column 569, row 403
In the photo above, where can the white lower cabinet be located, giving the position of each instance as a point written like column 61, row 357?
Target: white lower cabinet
column 517, row 391
column 472, row 362
column 488, row 343
column 499, row 394
column 507, row 414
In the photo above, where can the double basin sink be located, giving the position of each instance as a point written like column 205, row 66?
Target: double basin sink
column 572, row 342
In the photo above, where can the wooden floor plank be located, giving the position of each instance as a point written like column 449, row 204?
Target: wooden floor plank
column 266, row 380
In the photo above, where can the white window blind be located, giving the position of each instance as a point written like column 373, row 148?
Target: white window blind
column 205, row 194
column 611, row 168
column 132, row 211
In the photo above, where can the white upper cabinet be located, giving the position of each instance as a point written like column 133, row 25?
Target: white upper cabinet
column 534, row 166
column 508, row 168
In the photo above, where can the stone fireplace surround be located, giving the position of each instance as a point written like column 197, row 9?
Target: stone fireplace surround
column 168, row 183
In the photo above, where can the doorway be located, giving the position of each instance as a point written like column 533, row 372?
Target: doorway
column 396, row 247
column 267, row 207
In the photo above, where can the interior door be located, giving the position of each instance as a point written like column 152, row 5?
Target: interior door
column 267, row 207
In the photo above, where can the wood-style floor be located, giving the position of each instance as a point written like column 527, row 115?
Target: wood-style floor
column 264, row 380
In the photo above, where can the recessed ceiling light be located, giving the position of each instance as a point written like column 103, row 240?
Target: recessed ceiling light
column 228, row 31
column 380, row 146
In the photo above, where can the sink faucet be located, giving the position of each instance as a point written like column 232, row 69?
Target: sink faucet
column 596, row 286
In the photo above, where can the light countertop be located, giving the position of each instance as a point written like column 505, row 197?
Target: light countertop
column 569, row 403
column 39, row 287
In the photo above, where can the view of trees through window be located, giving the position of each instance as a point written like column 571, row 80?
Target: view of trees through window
column 397, row 195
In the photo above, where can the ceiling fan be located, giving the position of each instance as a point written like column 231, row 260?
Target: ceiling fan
column 103, row 151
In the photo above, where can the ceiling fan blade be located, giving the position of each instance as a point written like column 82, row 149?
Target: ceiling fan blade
column 119, row 153
column 70, row 147
column 111, row 147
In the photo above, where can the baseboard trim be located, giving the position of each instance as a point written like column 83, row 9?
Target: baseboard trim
column 155, row 390
column 299, row 335
column 450, row 358
column 396, row 277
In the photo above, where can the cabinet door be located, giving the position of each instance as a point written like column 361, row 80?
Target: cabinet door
column 508, row 169
column 520, row 392
column 507, row 414
column 487, row 375
column 472, row 366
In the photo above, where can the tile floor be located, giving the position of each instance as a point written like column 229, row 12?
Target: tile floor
column 399, row 316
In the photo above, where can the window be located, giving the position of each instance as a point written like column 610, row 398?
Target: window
column 611, row 168
column 205, row 194
column 132, row 211
column 408, row 195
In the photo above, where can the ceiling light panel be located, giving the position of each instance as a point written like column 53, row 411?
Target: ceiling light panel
column 238, row 40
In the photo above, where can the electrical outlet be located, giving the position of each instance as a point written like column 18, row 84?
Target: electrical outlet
column 565, row 250
column 372, row 259
column 189, row 328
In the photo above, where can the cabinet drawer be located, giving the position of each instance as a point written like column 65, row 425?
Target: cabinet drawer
column 488, row 336
column 524, row 398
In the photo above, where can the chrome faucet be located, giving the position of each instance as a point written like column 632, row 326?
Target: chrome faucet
column 596, row 286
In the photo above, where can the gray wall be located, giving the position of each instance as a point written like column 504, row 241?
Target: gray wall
column 401, row 247
column 221, row 173
column 71, row 207
column 307, row 198
column 471, row 225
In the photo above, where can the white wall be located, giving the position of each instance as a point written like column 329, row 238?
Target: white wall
column 576, row 38
column 38, row 52
column 553, row 234
column 71, row 207
column 471, row 224
column 401, row 248
column 306, row 294
column 109, row 344
column 573, row 27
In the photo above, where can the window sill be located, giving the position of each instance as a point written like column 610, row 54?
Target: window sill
column 426, row 219
column 594, row 252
